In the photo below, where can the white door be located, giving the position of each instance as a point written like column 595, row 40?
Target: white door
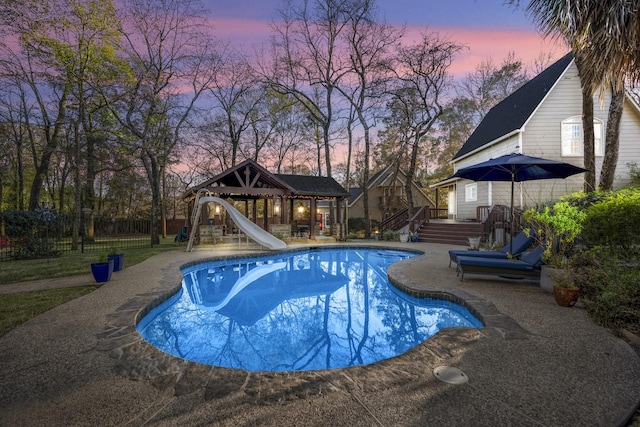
column 451, row 203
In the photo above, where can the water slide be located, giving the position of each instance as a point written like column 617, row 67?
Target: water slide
column 246, row 280
column 252, row 230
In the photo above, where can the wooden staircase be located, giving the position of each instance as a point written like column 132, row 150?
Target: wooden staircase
column 453, row 233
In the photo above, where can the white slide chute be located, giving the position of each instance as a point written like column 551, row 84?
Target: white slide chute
column 252, row 230
column 246, row 280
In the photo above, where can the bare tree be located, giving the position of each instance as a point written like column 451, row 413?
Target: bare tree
column 234, row 90
column 369, row 44
column 489, row 84
column 417, row 96
column 306, row 61
column 171, row 64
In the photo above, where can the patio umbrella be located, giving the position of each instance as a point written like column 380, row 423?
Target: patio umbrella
column 517, row 167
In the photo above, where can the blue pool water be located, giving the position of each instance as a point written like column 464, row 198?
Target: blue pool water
column 296, row 311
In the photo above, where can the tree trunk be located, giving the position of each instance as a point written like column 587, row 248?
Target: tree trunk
column 612, row 140
column 411, row 172
column 587, row 130
column 365, row 186
column 153, row 173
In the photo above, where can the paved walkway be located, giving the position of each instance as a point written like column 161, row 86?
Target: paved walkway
column 533, row 364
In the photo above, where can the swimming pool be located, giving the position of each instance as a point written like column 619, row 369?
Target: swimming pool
column 296, row 311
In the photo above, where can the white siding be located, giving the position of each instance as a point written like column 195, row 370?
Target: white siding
column 542, row 138
column 629, row 144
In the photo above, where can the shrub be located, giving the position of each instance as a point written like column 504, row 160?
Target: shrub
column 356, row 224
column 614, row 222
column 31, row 233
column 634, row 172
column 390, row 235
column 583, row 200
column 609, row 287
column 556, row 229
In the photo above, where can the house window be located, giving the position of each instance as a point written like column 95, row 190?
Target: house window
column 572, row 139
column 471, row 192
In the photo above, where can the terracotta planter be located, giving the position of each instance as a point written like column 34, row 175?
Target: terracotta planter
column 566, row 297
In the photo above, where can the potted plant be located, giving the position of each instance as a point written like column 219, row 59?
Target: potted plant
column 556, row 229
column 102, row 269
column 404, row 236
column 565, row 291
column 474, row 243
column 117, row 257
column 414, row 236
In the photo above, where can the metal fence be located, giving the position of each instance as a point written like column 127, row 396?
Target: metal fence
column 38, row 235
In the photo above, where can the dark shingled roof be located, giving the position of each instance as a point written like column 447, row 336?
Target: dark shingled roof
column 305, row 185
column 239, row 177
column 513, row 112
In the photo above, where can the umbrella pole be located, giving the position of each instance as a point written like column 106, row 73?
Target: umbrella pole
column 512, row 218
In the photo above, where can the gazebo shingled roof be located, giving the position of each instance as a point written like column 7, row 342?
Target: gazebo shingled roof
column 250, row 179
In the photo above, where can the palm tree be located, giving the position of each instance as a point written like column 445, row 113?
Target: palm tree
column 604, row 36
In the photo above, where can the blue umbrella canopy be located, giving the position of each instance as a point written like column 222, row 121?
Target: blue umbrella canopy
column 518, row 167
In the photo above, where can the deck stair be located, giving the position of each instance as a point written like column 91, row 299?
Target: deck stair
column 450, row 232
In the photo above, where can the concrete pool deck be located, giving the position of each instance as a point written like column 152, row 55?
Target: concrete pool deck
column 533, row 364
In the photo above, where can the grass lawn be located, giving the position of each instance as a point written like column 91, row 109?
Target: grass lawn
column 20, row 307
column 73, row 263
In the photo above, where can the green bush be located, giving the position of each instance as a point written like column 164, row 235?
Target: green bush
column 609, row 287
column 583, row 200
column 356, row 224
column 634, row 173
column 556, row 229
column 614, row 222
column 390, row 235
column 31, row 233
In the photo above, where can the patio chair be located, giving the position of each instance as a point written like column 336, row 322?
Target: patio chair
column 521, row 243
column 183, row 234
column 528, row 266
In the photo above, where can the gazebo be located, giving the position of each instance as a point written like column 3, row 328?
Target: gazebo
column 282, row 204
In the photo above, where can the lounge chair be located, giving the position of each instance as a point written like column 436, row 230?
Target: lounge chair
column 528, row 266
column 521, row 243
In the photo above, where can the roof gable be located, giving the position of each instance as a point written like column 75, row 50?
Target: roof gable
column 250, row 179
column 512, row 113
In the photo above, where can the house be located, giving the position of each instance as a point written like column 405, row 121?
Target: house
column 386, row 195
column 543, row 119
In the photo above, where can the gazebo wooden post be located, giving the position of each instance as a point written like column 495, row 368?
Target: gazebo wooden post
column 291, row 210
column 265, row 215
column 312, row 219
column 338, row 220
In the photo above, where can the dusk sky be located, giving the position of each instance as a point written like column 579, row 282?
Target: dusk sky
column 489, row 28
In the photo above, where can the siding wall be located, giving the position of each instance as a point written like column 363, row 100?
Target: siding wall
column 542, row 138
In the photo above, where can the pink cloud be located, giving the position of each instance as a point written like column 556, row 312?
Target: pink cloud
column 484, row 44
column 481, row 44
column 241, row 31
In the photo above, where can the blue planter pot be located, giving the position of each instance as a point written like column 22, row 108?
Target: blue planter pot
column 102, row 271
column 118, row 261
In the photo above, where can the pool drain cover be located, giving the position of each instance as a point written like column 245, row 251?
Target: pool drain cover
column 451, row 375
